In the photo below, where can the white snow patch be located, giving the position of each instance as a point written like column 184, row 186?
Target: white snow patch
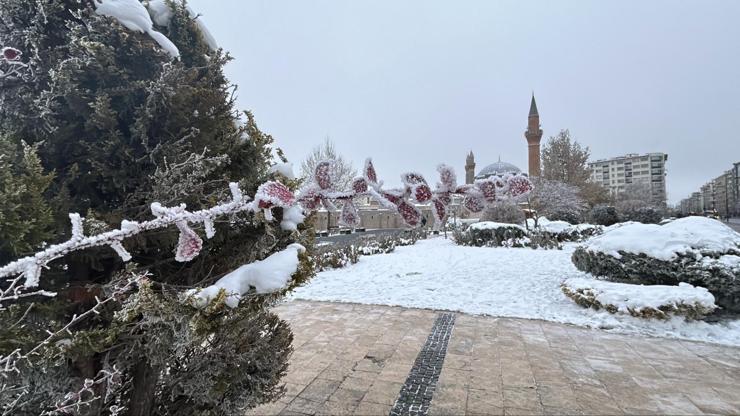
column 134, row 16
column 285, row 169
column 292, row 216
column 491, row 225
column 508, row 282
column 628, row 297
column 688, row 235
column 557, row 227
column 266, row 276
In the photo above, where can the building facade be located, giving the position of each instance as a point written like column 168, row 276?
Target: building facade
column 725, row 198
column 631, row 171
column 720, row 196
column 707, row 197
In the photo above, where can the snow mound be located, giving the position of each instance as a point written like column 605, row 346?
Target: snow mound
column 639, row 300
column 490, row 225
column 687, row 236
column 266, row 276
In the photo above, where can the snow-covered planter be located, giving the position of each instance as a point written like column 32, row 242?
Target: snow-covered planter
column 562, row 231
column 696, row 250
column 651, row 302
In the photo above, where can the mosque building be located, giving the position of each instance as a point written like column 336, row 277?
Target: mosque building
column 533, row 134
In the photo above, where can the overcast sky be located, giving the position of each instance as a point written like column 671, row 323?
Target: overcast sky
column 416, row 83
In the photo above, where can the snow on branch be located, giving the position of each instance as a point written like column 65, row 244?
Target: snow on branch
column 476, row 197
column 266, row 276
column 28, row 269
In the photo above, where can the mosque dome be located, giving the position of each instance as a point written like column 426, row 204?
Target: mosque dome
column 497, row 169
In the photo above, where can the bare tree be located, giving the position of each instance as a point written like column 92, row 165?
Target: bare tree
column 557, row 200
column 564, row 160
column 594, row 194
column 504, row 211
column 342, row 171
column 635, row 195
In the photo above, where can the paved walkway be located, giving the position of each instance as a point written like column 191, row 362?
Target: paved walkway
column 358, row 359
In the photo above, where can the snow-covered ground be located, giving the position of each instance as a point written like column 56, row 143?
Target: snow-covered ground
column 509, row 282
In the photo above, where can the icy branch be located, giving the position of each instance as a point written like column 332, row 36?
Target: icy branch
column 28, row 269
column 8, row 363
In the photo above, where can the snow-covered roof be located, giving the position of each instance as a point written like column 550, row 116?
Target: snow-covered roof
column 690, row 235
column 497, row 169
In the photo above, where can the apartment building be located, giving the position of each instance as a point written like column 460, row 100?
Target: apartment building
column 628, row 172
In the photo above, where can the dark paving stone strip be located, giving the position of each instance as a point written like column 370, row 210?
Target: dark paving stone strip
column 416, row 393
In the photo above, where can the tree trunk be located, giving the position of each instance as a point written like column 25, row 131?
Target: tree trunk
column 144, row 387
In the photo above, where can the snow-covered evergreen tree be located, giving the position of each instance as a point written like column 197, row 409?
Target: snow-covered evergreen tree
column 122, row 113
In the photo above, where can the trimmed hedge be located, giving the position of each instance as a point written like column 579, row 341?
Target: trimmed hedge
column 721, row 280
column 331, row 256
column 504, row 235
column 587, row 298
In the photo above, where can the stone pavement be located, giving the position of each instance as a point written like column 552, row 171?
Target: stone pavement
column 355, row 359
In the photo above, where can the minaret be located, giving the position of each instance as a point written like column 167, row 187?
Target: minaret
column 533, row 136
column 470, row 168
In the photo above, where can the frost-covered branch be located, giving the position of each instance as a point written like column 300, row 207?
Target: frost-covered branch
column 74, row 402
column 269, row 195
column 9, row 362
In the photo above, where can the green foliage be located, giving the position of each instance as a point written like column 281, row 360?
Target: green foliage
column 604, row 215
column 121, row 125
column 645, row 215
column 25, row 214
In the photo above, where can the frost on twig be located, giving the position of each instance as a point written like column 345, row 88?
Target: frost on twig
column 24, row 273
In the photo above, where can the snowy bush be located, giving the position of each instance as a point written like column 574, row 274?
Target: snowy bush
column 603, row 215
column 696, row 250
column 645, row 215
column 657, row 302
column 505, row 211
column 562, row 231
column 493, row 234
column 557, row 201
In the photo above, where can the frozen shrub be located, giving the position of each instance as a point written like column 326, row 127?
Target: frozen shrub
column 331, row 256
column 493, row 234
column 504, row 211
column 645, row 215
column 604, row 215
column 650, row 302
column 695, row 250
